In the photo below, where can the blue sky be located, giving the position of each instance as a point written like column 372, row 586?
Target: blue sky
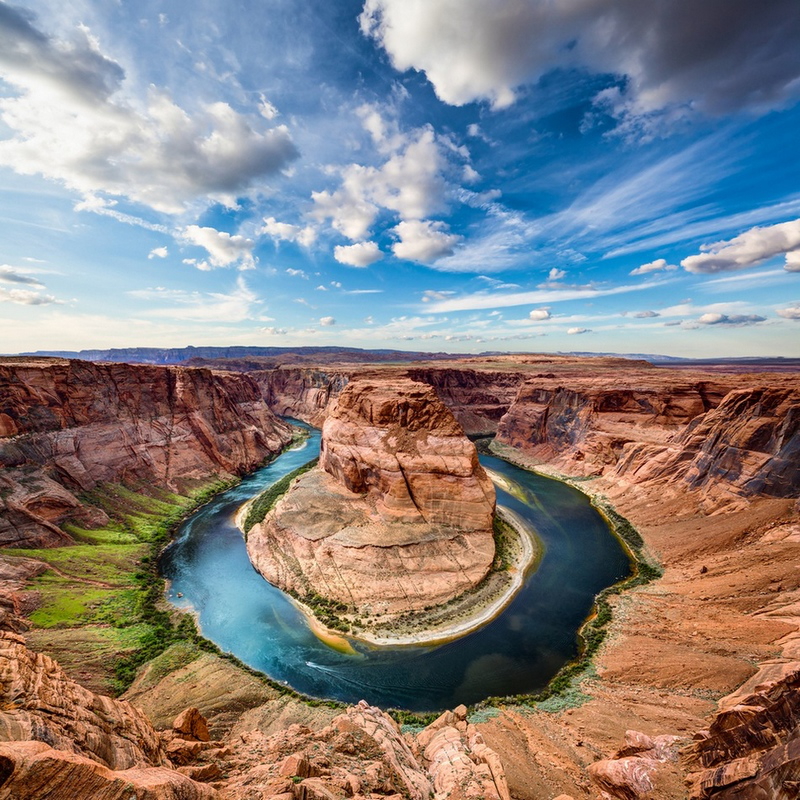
column 459, row 175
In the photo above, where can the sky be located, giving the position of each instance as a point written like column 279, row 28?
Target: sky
column 437, row 175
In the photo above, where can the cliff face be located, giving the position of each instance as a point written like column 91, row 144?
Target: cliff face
column 477, row 398
column 68, row 426
column 397, row 517
column 712, row 437
column 584, row 425
column 748, row 445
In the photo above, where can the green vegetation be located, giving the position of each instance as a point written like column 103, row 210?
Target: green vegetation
column 262, row 505
column 104, row 593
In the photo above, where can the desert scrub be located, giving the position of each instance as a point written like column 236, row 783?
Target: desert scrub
column 262, row 505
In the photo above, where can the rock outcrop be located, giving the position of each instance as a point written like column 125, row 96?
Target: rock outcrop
column 748, row 445
column 398, row 516
column 362, row 753
column 67, row 426
column 752, row 747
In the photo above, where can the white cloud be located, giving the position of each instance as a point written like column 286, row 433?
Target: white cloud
column 556, row 274
column 297, row 273
column 235, row 306
column 472, row 50
column 272, row 331
column 575, row 331
column 327, row 321
column 361, row 254
column 792, row 312
column 13, row 275
column 223, row 248
column 645, row 314
column 482, row 300
column 538, row 314
column 792, row 261
column 26, row 297
column 715, row 318
column 410, row 183
column 423, row 241
column 158, row 252
column 659, row 265
column 70, row 121
column 283, row 231
column 749, row 249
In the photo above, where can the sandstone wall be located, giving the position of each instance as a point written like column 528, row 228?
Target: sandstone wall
column 69, row 425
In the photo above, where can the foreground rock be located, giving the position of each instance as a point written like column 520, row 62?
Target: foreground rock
column 67, row 426
column 397, row 517
column 362, row 753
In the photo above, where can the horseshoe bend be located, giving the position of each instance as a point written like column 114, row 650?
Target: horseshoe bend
column 692, row 686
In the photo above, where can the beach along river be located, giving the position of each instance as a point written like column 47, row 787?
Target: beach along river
column 518, row 652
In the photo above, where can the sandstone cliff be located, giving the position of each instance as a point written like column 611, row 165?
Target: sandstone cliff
column 66, row 426
column 397, row 517
column 748, row 445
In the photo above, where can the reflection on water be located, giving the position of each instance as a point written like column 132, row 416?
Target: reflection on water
column 516, row 653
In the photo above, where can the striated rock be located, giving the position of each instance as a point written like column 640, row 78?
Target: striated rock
column 36, row 771
column 459, row 761
column 398, row 443
column 397, row 517
column 192, row 725
column 752, row 747
column 583, row 425
column 70, row 425
column 42, row 703
column 632, row 774
column 748, row 445
column 361, row 752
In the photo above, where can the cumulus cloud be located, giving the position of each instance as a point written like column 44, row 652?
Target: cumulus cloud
column 539, row 314
column 659, row 265
column 296, row 273
column 12, row 275
column 70, row 122
column 646, row 314
column 224, row 249
column 285, row 232
column 410, row 182
column 556, row 274
column 792, row 312
column 158, row 252
column 749, row 249
column 361, row 254
column 736, row 54
column 737, row 320
column 575, row 331
column 423, row 241
column 327, row 321
column 26, row 297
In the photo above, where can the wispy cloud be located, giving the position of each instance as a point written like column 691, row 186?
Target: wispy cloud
column 482, row 300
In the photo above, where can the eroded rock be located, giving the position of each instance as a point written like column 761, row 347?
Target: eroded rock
column 397, row 517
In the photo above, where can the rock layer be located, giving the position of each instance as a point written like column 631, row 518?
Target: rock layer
column 66, row 426
column 397, row 517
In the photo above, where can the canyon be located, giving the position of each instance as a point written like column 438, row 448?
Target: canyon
column 694, row 690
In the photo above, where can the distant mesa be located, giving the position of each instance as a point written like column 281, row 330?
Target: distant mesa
column 398, row 515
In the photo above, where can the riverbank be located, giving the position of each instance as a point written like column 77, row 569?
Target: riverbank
column 464, row 614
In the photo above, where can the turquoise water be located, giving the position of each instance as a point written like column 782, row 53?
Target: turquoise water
column 518, row 652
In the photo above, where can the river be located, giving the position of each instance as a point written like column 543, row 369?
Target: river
column 210, row 574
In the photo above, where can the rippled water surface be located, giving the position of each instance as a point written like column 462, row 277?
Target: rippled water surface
column 518, row 652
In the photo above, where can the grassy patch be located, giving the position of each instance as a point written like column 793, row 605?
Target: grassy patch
column 262, row 505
